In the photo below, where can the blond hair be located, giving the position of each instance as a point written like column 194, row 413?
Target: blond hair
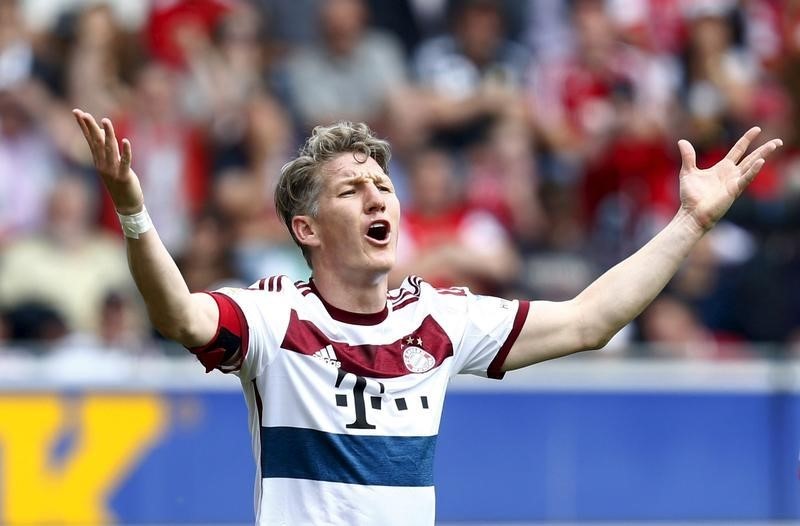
column 300, row 184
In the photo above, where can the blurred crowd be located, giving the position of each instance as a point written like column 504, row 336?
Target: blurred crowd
column 533, row 147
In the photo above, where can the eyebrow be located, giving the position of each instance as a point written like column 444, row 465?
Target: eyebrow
column 354, row 178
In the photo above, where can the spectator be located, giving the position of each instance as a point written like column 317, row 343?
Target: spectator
column 674, row 330
column 29, row 165
column 673, row 327
column 602, row 112
column 658, row 26
column 445, row 240
column 174, row 27
column 719, row 76
column 122, row 326
column 225, row 66
column 260, row 246
column 16, row 52
column 70, row 266
column 171, row 151
column 474, row 71
column 576, row 97
column 99, row 59
column 206, row 262
column 225, row 88
column 351, row 73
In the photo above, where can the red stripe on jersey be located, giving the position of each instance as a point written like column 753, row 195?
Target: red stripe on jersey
column 271, row 285
column 278, row 285
column 261, row 283
column 453, row 291
column 406, row 294
column 495, row 369
column 227, row 349
column 402, row 304
column 373, row 361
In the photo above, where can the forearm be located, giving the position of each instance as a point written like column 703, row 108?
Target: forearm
column 446, row 112
column 618, row 296
column 190, row 319
column 175, row 312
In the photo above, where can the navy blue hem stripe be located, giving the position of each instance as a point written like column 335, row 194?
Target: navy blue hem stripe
column 290, row 452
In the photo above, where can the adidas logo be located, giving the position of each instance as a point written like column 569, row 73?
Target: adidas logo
column 327, row 355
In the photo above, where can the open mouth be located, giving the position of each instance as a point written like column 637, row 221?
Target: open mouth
column 378, row 231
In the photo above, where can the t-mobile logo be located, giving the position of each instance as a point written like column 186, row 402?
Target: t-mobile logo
column 368, row 390
column 359, row 386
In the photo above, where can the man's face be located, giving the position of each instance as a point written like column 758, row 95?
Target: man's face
column 357, row 222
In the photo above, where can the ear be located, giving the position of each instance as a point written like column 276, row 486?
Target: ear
column 305, row 231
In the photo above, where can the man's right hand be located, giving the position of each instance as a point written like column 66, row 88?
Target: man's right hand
column 190, row 319
column 114, row 167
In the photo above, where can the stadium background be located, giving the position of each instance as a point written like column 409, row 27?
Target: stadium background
column 534, row 146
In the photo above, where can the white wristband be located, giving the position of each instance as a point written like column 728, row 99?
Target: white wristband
column 135, row 224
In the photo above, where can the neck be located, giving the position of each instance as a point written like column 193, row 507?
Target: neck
column 362, row 296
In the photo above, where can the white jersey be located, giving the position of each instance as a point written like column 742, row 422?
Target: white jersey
column 345, row 408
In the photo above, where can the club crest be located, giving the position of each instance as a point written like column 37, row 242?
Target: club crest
column 418, row 360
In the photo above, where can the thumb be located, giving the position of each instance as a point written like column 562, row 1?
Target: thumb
column 688, row 157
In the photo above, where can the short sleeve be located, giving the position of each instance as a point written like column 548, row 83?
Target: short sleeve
column 251, row 327
column 491, row 327
column 267, row 316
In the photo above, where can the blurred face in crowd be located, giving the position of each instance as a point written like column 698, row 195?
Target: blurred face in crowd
column 433, row 185
column 671, row 322
column 342, row 23
column 355, row 228
column 155, row 87
column 479, row 29
column 10, row 22
column 120, row 324
column 710, row 35
column 595, row 31
column 70, row 209
column 14, row 119
column 239, row 34
column 97, row 26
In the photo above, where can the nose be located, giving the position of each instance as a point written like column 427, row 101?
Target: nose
column 374, row 200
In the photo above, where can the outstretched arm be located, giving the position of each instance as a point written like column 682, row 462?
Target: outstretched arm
column 588, row 321
column 190, row 319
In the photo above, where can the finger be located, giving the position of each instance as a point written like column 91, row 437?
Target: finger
column 84, row 128
column 111, row 146
column 762, row 152
column 742, row 144
column 95, row 145
column 127, row 156
column 688, row 157
column 96, row 133
column 750, row 174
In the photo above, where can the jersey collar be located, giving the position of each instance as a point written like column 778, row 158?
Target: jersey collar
column 345, row 316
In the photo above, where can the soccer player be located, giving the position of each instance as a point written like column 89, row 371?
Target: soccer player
column 345, row 379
